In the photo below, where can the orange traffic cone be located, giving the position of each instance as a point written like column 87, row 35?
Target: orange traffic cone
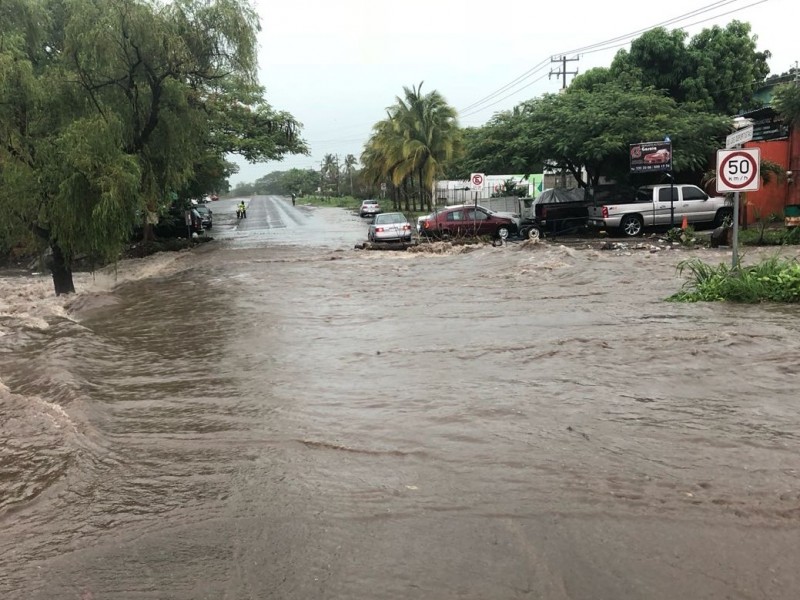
column 685, row 222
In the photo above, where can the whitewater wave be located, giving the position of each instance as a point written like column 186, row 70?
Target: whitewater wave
column 29, row 301
column 37, row 446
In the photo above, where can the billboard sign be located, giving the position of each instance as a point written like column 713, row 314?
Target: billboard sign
column 649, row 157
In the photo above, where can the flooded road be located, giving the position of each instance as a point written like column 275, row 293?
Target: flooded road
column 278, row 415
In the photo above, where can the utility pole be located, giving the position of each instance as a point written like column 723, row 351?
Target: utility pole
column 563, row 71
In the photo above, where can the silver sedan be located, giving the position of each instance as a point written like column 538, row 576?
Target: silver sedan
column 389, row 227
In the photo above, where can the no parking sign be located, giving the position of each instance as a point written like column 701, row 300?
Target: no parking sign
column 476, row 181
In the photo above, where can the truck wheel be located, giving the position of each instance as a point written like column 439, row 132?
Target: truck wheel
column 631, row 225
column 722, row 213
column 533, row 233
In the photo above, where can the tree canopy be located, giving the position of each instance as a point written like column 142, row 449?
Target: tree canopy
column 665, row 85
column 591, row 129
column 787, row 102
column 719, row 68
column 107, row 106
column 285, row 183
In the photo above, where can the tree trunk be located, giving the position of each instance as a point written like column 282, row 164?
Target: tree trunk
column 62, row 272
column 423, row 191
column 148, row 233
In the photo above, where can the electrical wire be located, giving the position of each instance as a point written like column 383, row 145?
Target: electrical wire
column 481, row 104
column 514, row 93
column 711, row 18
column 515, row 86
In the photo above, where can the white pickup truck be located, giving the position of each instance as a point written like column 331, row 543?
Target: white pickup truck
column 651, row 207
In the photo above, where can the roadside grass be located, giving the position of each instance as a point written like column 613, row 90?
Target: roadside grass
column 774, row 280
column 349, row 202
column 331, row 201
column 770, row 237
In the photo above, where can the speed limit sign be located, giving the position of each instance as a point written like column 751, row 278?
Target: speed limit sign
column 738, row 170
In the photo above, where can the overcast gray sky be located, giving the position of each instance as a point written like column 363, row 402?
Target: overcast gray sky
column 336, row 66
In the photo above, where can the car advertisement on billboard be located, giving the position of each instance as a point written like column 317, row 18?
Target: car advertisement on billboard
column 651, row 156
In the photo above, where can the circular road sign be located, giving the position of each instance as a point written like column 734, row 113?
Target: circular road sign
column 476, row 179
column 738, row 170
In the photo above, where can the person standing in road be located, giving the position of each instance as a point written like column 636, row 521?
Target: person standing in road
column 293, row 198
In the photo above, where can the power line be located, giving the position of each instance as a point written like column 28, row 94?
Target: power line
column 683, row 17
column 526, row 74
column 515, row 86
column 605, row 45
column 514, row 93
column 711, row 18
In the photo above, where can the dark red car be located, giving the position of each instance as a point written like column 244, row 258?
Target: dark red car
column 467, row 221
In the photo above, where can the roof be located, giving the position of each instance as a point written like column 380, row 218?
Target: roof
column 762, row 112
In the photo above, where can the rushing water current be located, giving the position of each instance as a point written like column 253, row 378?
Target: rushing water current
column 279, row 415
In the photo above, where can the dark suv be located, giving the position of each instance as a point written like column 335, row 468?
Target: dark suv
column 206, row 216
column 467, row 221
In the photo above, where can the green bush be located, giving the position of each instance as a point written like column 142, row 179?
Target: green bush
column 774, row 280
column 332, row 201
column 685, row 237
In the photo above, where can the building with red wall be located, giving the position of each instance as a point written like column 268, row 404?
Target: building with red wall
column 779, row 144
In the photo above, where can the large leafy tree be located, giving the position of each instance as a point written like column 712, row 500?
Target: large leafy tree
column 108, row 105
column 720, row 67
column 493, row 148
column 412, row 146
column 787, row 103
column 589, row 130
column 666, row 84
column 293, row 181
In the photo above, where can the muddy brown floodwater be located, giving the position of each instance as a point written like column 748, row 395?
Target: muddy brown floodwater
column 278, row 415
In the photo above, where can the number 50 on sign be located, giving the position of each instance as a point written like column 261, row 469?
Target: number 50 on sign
column 739, row 170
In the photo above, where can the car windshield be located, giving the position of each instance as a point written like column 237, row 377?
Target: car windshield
column 370, row 202
column 387, row 218
column 203, row 210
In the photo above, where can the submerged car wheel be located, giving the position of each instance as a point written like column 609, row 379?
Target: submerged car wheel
column 503, row 232
column 534, row 233
column 722, row 214
column 631, row 225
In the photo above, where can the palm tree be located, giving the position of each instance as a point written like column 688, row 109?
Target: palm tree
column 382, row 154
column 350, row 163
column 329, row 172
column 411, row 146
column 431, row 137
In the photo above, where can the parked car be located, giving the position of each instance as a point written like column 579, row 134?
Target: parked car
column 389, row 227
column 468, row 220
column 421, row 220
column 369, row 208
column 662, row 205
column 206, row 216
